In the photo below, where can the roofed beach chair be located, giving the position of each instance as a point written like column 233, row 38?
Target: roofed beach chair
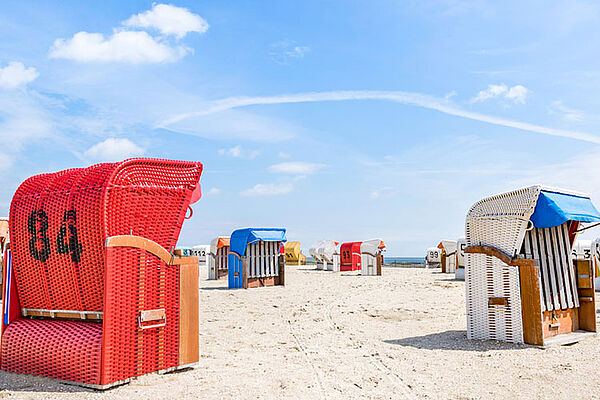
column 217, row 261
column 293, row 254
column 448, row 256
column 433, row 258
column 459, row 274
column 95, row 295
column 326, row 254
column 371, row 256
column 595, row 254
column 256, row 258
column 521, row 283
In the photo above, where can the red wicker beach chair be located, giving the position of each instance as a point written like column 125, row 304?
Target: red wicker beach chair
column 95, row 296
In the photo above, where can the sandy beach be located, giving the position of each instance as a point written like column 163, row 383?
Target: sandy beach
column 339, row 336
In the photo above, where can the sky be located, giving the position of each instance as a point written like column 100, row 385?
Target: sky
column 341, row 120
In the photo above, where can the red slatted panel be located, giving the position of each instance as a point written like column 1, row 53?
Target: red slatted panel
column 67, row 350
column 144, row 191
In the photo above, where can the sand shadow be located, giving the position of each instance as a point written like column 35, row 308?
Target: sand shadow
column 215, row 288
column 37, row 384
column 454, row 340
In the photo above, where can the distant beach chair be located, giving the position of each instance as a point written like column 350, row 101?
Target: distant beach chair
column 595, row 254
column 256, row 258
column 3, row 244
column 448, row 256
column 433, row 259
column 218, row 257
column 459, row 274
column 94, row 294
column 350, row 257
column 522, row 285
column 371, row 256
column 202, row 251
column 293, row 254
column 326, row 254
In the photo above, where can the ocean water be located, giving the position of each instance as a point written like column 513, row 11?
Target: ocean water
column 391, row 260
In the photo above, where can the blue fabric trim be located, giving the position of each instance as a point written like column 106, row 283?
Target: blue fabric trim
column 554, row 209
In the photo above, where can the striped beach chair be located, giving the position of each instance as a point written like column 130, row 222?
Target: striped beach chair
column 522, row 285
column 256, row 258
column 217, row 261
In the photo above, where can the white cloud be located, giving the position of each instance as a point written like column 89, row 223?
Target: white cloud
column 408, row 98
column 383, row 192
column 113, row 149
column 214, row 191
column 517, row 93
column 567, row 113
column 238, row 152
column 286, row 51
column 268, row 189
column 282, row 154
column 124, row 46
column 296, row 168
column 15, row 74
column 169, row 20
column 491, row 92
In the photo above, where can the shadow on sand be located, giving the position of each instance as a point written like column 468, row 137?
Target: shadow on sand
column 454, row 340
column 37, row 384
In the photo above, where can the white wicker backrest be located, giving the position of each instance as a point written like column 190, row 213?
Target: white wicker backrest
column 501, row 220
column 460, row 251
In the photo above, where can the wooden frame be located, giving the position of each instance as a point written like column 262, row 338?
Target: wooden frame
column 540, row 328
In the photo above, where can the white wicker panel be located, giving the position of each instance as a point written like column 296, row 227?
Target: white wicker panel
column 501, row 220
column 487, row 277
column 368, row 264
column 335, row 267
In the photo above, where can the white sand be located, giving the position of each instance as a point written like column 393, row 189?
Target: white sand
column 339, row 336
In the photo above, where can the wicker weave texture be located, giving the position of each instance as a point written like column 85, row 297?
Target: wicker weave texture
column 487, row 277
column 60, row 223
column 501, row 220
column 67, row 350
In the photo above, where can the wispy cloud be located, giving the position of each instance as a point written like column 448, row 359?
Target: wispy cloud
column 285, row 51
column 408, row 98
column 567, row 113
column 268, row 189
column 238, row 152
column 214, row 191
column 296, row 168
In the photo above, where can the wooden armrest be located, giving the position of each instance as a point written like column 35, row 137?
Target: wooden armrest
column 505, row 258
column 235, row 254
column 150, row 246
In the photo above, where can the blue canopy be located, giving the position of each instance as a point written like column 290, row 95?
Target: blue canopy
column 553, row 209
column 240, row 238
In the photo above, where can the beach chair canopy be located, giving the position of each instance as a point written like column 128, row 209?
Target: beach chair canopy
column 372, row 246
column 502, row 220
column 323, row 249
column 219, row 242
column 293, row 247
column 241, row 238
column 448, row 245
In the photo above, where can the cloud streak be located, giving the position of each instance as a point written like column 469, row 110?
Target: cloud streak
column 407, row 98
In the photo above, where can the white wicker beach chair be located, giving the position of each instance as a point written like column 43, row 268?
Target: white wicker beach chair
column 595, row 254
column 371, row 259
column 521, row 283
column 326, row 254
column 459, row 274
column 217, row 257
column 433, row 258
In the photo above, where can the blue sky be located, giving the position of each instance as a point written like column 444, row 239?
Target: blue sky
column 338, row 120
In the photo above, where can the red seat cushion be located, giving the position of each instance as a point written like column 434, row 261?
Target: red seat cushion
column 66, row 350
